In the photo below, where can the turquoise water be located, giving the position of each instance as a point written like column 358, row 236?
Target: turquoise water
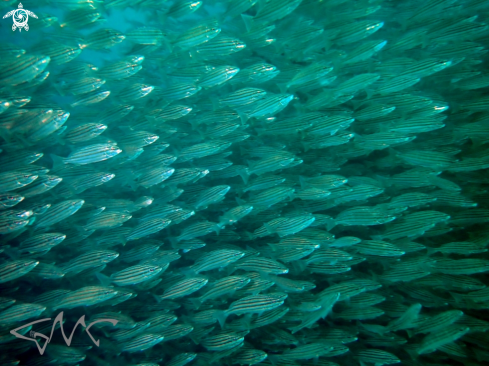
column 244, row 182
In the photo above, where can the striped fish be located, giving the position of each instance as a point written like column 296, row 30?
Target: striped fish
column 263, row 265
column 269, row 317
column 345, row 241
column 202, row 150
column 89, row 259
column 377, row 356
column 71, row 355
column 253, row 304
column 59, row 212
column 218, row 75
column 107, row 220
column 328, row 268
column 14, row 180
column 20, row 312
column 5, row 302
column 243, row 96
column 148, row 227
column 211, row 195
column 249, row 357
column 286, row 226
column 365, row 216
column 444, row 336
column 345, row 289
column 220, row 46
column 175, row 331
column 11, row 270
column 437, row 322
column 205, row 317
column 461, row 266
column 197, row 229
column 289, row 255
column 183, row 288
column 123, row 321
column 86, row 131
column 182, row 359
column 92, row 154
column 378, row 248
column 85, row 296
column 50, row 271
column 329, row 255
column 216, row 259
column 135, row 274
column 223, row 286
column 271, row 196
column 127, row 334
column 365, row 313
column 290, row 285
column 153, row 176
column 141, row 343
column 8, row 200
column 40, row 243
column 197, row 35
column 50, row 298
column 365, row 299
column 307, row 351
column 222, row 341
column 159, row 322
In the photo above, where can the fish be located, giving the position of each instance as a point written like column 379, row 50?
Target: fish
column 246, row 182
column 216, row 259
column 85, row 296
column 184, row 288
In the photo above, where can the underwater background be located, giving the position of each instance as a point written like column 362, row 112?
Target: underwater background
column 241, row 182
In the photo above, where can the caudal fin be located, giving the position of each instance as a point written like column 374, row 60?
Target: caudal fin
column 221, row 317
column 104, row 280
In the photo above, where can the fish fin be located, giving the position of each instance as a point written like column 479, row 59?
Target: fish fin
column 59, row 89
column 374, row 328
column 302, row 181
column 216, row 104
column 188, row 271
column 58, row 161
column 157, row 298
column 246, row 321
column 196, row 302
column 221, row 316
column 104, row 280
column 248, row 21
column 283, row 87
column 330, row 223
column 245, row 175
column 249, row 236
column 457, row 297
column 414, row 353
column 11, row 252
column 243, row 116
column 299, row 266
column 240, row 201
column 24, row 140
